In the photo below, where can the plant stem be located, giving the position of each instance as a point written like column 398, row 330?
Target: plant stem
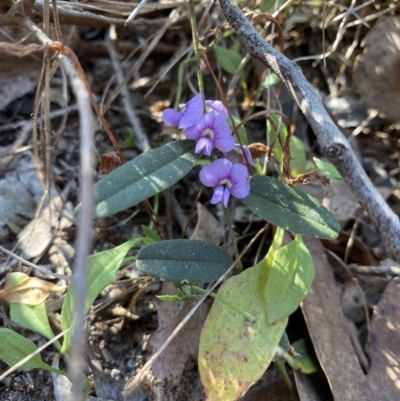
column 196, row 49
column 239, row 266
column 281, row 368
column 245, row 314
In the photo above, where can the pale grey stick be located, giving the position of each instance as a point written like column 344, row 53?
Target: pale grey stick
column 84, row 235
column 332, row 142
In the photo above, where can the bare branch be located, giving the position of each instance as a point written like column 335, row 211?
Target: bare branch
column 333, row 143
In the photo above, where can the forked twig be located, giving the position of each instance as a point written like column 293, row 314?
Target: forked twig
column 332, row 142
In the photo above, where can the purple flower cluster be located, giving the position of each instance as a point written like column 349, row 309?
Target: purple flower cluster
column 229, row 175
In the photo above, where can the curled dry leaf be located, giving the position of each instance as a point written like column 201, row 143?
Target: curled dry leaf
column 31, row 291
column 257, row 149
column 109, row 161
column 309, row 178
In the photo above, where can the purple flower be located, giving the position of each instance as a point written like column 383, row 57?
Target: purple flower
column 218, row 107
column 227, row 179
column 188, row 116
column 211, row 130
column 237, row 156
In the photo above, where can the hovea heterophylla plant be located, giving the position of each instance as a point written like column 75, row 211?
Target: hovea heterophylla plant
column 267, row 292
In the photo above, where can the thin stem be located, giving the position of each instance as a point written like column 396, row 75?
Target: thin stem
column 228, row 220
column 245, row 314
column 196, row 48
column 281, row 368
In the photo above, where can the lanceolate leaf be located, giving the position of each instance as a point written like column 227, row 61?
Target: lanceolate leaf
column 142, row 177
column 14, row 348
column 289, row 280
column 327, row 168
column 102, row 268
column 180, row 259
column 290, row 208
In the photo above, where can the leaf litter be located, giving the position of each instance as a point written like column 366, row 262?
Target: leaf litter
column 119, row 344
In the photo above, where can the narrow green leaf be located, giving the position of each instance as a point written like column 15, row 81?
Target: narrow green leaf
column 233, row 352
column 304, row 356
column 142, row 177
column 290, row 208
column 180, row 259
column 14, row 348
column 328, row 169
column 102, row 268
column 31, row 317
column 148, row 232
column 228, row 59
column 289, row 280
column 298, row 156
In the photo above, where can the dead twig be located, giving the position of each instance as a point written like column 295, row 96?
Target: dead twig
column 332, row 142
column 84, row 235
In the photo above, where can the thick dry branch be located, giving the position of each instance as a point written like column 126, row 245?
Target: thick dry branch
column 333, row 143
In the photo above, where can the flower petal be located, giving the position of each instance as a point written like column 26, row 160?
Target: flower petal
column 239, row 178
column 214, row 173
column 192, row 112
column 204, row 145
column 225, row 198
column 217, row 195
column 192, row 132
column 218, row 107
column 223, row 138
column 171, row 117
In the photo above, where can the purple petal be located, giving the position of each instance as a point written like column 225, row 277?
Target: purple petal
column 247, row 154
column 171, row 117
column 223, row 138
column 239, row 178
column 192, row 132
column 218, row 107
column 192, row 112
column 214, row 173
column 204, row 145
column 226, row 196
column 217, row 195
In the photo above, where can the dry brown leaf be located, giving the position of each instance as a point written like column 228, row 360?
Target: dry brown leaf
column 327, row 327
column 171, row 363
column 377, row 72
column 384, row 344
column 208, row 228
column 31, row 291
column 311, row 387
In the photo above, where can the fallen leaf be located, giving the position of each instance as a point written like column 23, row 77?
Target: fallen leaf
column 384, row 344
column 31, row 291
column 327, row 328
column 208, row 228
column 171, row 363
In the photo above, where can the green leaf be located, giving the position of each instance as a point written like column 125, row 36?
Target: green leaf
column 228, row 59
column 102, row 268
column 180, row 259
column 289, row 280
column 328, row 169
column 31, row 317
column 290, row 208
column 304, row 356
column 14, row 348
column 149, row 233
column 269, row 80
column 241, row 131
column 233, row 352
column 298, row 156
column 142, row 177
